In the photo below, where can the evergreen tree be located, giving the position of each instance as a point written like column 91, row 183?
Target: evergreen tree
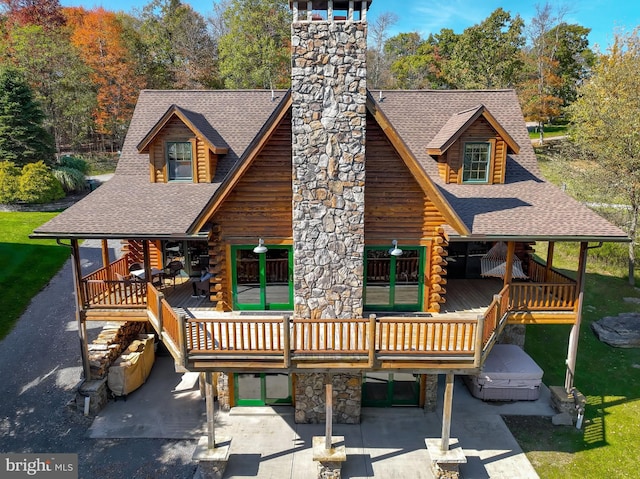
column 23, row 139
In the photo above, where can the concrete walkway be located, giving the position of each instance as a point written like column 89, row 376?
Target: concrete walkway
column 266, row 442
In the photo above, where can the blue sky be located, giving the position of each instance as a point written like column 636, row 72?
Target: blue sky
column 429, row 16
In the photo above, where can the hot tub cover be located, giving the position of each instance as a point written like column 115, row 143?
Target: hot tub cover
column 509, row 366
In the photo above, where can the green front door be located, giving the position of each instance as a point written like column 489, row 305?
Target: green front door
column 261, row 389
column 390, row 389
column 262, row 281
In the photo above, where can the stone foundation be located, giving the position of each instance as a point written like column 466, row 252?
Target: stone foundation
column 310, row 398
column 222, row 386
column 567, row 403
column 431, row 392
column 112, row 340
column 96, row 391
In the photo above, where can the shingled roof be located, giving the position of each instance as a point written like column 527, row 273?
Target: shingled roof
column 525, row 207
column 129, row 205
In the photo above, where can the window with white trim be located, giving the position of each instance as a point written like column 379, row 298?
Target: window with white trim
column 179, row 160
column 477, row 156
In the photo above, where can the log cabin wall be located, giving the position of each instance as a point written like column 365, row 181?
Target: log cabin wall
column 450, row 164
column 395, row 204
column 136, row 253
column 260, row 204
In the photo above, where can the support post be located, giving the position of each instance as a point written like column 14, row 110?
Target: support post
column 286, row 341
column 330, row 11
column 328, row 431
column 446, row 413
column 106, row 262
column 309, row 11
column 508, row 274
column 350, row 15
column 80, row 300
column 372, row 339
column 574, row 336
column 159, row 299
column 211, row 431
column 477, row 357
column 549, row 267
column 147, row 261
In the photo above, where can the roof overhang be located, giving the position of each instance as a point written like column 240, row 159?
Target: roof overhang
column 541, row 238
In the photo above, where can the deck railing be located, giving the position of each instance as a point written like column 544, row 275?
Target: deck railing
column 235, row 336
column 538, row 273
column 323, row 336
column 542, row 297
column 102, row 288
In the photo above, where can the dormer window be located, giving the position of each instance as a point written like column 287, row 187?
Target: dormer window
column 476, row 164
column 179, row 161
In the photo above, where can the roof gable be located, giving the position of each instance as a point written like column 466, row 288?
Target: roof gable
column 459, row 122
column 196, row 122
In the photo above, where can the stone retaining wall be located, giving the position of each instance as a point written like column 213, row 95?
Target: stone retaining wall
column 310, row 398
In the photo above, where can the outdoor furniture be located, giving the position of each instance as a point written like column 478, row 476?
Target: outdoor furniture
column 172, row 270
column 139, row 275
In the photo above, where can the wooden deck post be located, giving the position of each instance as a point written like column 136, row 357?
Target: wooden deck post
column 106, row 263
column 328, row 432
column 286, row 340
column 446, row 413
column 477, row 358
column 372, row 339
column 182, row 339
column 575, row 330
column 211, row 430
column 82, row 329
column 147, row 261
column 508, row 274
column 549, row 266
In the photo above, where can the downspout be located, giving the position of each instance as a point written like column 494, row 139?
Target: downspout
column 82, row 330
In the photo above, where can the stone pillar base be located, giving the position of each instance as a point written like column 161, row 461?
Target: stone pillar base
column 97, row 392
column 567, row 403
column 329, row 460
column 211, row 462
column 445, row 464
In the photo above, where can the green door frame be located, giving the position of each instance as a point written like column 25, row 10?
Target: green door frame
column 263, row 400
column 391, row 306
column 390, row 400
column 262, row 273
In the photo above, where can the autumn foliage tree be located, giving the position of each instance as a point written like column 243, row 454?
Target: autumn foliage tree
column 46, row 13
column 98, row 36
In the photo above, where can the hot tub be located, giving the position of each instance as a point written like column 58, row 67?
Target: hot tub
column 508, row 374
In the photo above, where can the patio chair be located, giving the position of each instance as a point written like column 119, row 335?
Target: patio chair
column 135, row 267
column 172, row 270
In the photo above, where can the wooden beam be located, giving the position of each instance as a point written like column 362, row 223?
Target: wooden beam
column 82, row 330
column 446, row 413
column 105, row 259
column 328, row 432
column 549, row 265
column 511, row 249
column 211, row 429
column 574, row 336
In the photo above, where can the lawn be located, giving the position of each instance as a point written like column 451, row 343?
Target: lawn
column 28, row 265
column 550, row 131
column 609, row 377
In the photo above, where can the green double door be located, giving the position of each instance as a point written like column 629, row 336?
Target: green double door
column 262, row 281
column 262, row 389
column 390, row 389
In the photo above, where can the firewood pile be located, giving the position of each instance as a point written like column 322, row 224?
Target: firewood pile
column 112, row 340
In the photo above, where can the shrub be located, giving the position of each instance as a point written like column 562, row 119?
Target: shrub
column 75, row 163
column 9, row 175
column 38, row 185
column 71, row 179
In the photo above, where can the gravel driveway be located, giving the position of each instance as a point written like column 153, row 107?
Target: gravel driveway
column 40, row 367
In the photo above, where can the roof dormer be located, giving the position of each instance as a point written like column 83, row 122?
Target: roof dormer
column 472, row 147
column 182, row 146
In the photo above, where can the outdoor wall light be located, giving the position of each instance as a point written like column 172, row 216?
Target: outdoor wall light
column 261, row 248
column 395, row 251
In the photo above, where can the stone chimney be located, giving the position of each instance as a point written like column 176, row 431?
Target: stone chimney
column 329, row 92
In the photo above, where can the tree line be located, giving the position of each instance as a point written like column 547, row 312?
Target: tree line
column 87, row 66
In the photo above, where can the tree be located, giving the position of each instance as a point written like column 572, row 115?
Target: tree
column 59, row 79
column 179, row 44
column 378, row 74
column 23, row 139
column 255, row 53
column 98, row 35
column 46, row 13
column 607, row 125
column 487, row 55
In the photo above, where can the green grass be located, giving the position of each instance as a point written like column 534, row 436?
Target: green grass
column 609, row 377
column 27, row 265
column 550, row 131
